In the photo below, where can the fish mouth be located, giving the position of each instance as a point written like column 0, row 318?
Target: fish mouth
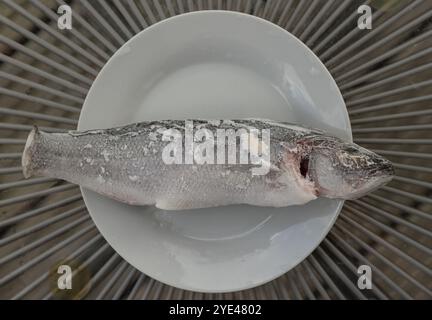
column 385, row 170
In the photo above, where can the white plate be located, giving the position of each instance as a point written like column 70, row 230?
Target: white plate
column 214, row 64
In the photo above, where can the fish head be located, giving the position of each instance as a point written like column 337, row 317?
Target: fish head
column 341, row 169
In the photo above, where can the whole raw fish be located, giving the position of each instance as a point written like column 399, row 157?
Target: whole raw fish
column 157, row 163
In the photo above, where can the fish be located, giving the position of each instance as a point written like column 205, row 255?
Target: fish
column 168, row 163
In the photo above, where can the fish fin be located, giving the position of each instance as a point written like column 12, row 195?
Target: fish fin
column 26, row 160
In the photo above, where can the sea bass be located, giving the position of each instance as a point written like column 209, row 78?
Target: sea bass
column 159, row 163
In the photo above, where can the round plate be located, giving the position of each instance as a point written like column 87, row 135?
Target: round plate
column 214, row 65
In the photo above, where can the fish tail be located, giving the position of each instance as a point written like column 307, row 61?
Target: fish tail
column 29, row 148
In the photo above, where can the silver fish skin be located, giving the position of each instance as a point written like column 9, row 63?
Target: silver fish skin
column 126, row 164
